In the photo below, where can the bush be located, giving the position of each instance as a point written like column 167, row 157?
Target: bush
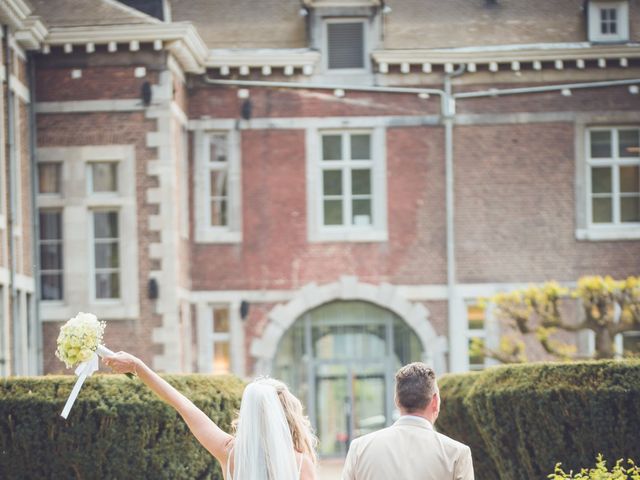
column 455, row 420
column 117, row 428
column 600, row 472
column 533, row 416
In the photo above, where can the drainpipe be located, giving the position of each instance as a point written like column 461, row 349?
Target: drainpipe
column 456, row 324
column 17, row 333
column 35, row 216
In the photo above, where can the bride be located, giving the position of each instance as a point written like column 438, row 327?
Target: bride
column 273, row 439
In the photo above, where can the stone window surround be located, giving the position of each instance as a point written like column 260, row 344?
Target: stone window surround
column 77, row 207
column 585, row 231
column 319, row 233
column 204, row 232
column 593, row 26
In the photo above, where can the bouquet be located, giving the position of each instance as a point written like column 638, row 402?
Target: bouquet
column 80, row 342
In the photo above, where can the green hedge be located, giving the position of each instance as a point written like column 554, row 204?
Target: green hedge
column 532, row 416
column 117, row 428
column 455, row 420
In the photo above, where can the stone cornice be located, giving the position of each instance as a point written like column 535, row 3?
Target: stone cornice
column 181, row 39
column 32, row 34
column 14, row 12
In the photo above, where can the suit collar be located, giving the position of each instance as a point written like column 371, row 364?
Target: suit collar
column 414, row 421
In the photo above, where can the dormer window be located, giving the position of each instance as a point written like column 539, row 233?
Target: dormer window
column 609, row 21
column 346, row 41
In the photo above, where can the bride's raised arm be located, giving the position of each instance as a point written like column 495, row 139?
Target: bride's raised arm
column 212, row 437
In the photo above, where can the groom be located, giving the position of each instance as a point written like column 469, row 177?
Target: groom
column 410, row 448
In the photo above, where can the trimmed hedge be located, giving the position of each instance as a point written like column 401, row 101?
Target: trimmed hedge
column 532, row 416
column 117, row 428
column 455, row 420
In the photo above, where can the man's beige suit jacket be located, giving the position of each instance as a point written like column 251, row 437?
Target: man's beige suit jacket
column 408, row 450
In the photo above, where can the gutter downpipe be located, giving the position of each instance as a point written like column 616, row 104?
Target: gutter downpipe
column 454, row 317
column 17, row 331
column 35, row 216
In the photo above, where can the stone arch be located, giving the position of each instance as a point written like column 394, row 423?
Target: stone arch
column 282, row 317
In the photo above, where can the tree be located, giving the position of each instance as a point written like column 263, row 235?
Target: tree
column 609, row 307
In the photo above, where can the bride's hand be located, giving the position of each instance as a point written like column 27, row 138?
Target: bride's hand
column 123, row 362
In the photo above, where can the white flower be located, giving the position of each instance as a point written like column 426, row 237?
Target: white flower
column 79, row 338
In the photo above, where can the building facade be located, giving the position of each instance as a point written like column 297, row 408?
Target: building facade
column 316, row 190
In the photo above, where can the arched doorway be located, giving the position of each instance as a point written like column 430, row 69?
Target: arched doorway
column 340, row 359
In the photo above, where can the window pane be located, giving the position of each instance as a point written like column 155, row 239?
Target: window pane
column 331, row 147
column 333, row 212
column 361, row 182
column 362, row 212
column 601, row 144
column 361, row 147
column 107, row 285
column 219, row 213
column 475, row 315
column 476, row 359
column 51, row 286
column 630, row 179
column 221, row 320
column 51, row 256
column 49, row 177
column 601, row 180
column 107, row 255
column 221, row 358
column 629, row 143
column 104, row 176
column 218, row 152
column 105, row 224
column 332, row 182
column 631, row 343
column 218, row 183
column 602, row 210
column 630, row 209
column 50, row 226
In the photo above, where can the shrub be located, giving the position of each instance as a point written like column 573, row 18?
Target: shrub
column 455, row 420
column 117, row 428
column 533, row 416
column 600, row 472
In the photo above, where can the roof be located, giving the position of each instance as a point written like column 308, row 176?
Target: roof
column 74, row 13
column 244, row 23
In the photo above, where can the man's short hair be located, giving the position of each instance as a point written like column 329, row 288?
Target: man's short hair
column 415, row 386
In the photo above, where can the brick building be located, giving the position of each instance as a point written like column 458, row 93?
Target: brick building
column 316, row 189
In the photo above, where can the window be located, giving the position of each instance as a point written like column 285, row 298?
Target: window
column 608, row 21
column 476, row 316
column 51, row 260
column 350, row 186
column 103, row 177
column 345, row 45
column 106, row 254
column 631, row 343
column 49, row 178
column 614, row 176
column 221, row 337
column 217, row 183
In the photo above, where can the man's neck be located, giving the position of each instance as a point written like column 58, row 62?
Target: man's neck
column 424, row 415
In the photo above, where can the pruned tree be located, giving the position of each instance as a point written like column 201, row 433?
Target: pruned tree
column 609, row 307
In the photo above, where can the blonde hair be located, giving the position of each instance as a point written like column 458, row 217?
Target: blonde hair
column 304, row 440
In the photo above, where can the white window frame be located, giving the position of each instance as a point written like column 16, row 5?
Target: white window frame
column 377, row 230
column 205, row 232
column 113, row 193
column 206, row 336
column 60, row 211
column 77, row 207
column 365, row 40
column 615, row 230
column 475, row 333
column 622, row 23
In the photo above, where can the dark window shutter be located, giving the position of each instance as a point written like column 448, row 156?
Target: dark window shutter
column 346, row 45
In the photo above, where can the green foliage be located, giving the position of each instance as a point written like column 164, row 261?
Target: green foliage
column 455, row 420
column 600, row 472
column 530, row 417
column 117, row 428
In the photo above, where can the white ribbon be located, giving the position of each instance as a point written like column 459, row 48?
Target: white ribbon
column 84, row 370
